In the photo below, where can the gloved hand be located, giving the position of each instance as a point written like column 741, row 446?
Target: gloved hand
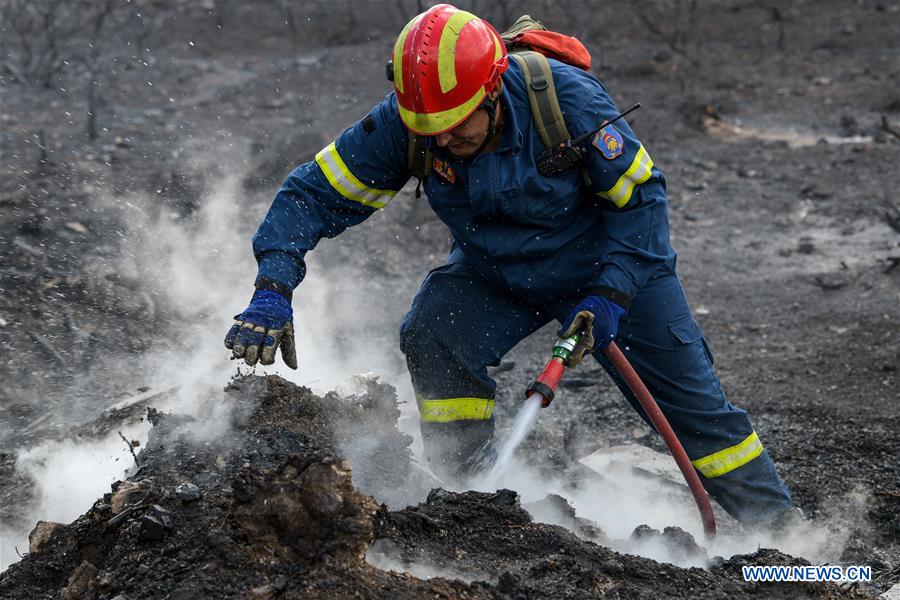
column 264, row 326
column 596, row 319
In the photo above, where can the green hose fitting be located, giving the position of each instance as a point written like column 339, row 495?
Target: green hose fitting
column 563, row 348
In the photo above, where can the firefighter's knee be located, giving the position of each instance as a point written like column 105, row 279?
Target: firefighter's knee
column 417, row 336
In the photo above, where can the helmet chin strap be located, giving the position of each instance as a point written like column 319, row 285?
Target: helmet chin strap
column 489, row 105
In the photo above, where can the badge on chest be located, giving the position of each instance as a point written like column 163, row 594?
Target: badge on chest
column 443, row 170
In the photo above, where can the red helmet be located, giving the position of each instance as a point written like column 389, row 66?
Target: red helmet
column 446, row 61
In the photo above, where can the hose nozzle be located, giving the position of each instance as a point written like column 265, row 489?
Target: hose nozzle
column 545, row 384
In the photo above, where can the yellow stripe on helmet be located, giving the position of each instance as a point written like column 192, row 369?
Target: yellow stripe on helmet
column 398, row 54
column 346, row 184
column 438, row 122
column 447, row 49
column 729, row 459
column 455, row 409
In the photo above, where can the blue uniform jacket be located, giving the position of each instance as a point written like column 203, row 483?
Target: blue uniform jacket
column 543, row 238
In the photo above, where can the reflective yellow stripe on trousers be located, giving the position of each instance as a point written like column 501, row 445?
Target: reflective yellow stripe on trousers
column 730, row 458
column 341, row 179
column 455, row 409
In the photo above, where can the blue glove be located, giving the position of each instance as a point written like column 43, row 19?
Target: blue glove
column 264, row 326
column 596, row 320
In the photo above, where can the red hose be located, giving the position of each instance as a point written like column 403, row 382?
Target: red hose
column 665, row 430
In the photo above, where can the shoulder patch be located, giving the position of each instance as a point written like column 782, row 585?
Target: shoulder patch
column 609, row 142
column 368, row 124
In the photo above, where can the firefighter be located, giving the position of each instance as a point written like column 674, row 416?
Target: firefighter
column 527, row 249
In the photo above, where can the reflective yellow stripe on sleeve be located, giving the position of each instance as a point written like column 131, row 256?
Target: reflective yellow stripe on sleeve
column 455, row 409
column 341, row 179
column 637, row 173
column 730, row 458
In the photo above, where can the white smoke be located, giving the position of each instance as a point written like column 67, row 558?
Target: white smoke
column 203, row 269
column 619, row 499
column 69, row 476
column 384, row 554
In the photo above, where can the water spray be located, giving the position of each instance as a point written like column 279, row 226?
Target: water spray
column 539, row 394
column 541, row 391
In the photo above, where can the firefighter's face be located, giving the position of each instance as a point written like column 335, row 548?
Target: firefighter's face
column 465, row 139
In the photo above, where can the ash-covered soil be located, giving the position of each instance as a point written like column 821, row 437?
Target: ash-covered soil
column 778, row 128
column 270, row 510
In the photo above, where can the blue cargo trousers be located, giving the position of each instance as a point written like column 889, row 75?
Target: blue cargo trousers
column 460, row 323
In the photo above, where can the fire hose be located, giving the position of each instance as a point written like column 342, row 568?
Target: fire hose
column 545, row 386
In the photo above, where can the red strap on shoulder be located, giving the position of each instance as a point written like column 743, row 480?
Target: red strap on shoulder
column 561, row 47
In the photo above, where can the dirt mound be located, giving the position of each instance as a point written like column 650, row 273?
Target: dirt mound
column 269, row 509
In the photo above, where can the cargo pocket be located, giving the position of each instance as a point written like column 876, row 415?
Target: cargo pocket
column 694, row 360
column 686, row 331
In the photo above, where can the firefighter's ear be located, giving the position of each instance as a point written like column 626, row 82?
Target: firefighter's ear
column 495, row 93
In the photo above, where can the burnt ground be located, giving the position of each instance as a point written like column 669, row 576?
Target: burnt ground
column 778, row 128
column 270, row 511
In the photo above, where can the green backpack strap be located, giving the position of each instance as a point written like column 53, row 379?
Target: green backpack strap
column 542, row 95
column 548, row 117
column 538, row 82
column 419, row 159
